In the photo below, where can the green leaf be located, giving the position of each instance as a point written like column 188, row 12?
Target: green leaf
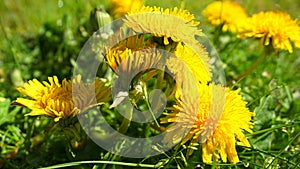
column 5, row 116
column 264, row 115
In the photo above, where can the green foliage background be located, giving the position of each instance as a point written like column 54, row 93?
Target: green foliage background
column 43, row 38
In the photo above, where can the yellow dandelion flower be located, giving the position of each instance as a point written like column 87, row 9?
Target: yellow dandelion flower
column 182, row 13
column 177, row 24
column 276, row 28
column 228, row 14
column 118, row 57
column 199, row 67
column 62, row 101
column 139, row 62
column 217, row 124
column 120, row 8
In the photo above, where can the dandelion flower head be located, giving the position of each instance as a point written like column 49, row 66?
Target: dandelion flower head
column 273, row 28
column 177, row 24
column 174, row 25
column 120, row 8
column 123, row 50
column 199, row 66
column 217, row 125
column 228, row 14
column 55, row 100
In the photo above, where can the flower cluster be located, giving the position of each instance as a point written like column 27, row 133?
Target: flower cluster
column 273, row 28
column 214, row 116
column 219, row 115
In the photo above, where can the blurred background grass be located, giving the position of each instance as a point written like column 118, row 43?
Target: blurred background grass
column 27, row 16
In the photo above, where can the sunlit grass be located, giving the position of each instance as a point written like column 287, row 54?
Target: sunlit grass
column 44, row 38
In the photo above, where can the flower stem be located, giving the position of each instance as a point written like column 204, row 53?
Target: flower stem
column 149, row 106
column 160, row 80
column 182, row 4
column 76, row 163
column 217, row 33
column 250, row 69
column 126, row 122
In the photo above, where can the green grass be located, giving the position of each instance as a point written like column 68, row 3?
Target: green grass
column 41, row 39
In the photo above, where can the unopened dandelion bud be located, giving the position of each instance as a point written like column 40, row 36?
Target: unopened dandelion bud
column 100, row 19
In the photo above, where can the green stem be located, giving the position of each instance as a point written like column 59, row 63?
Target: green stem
column 112, row 158
column 122, row 129
column 98, row 162
column 182, row 4
column 126, row 122
column 268, row 129
column 217, row 33
column 160, row 80
column 149, row 107
column 72, row 132
column 250, row 69
column 152, row 114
